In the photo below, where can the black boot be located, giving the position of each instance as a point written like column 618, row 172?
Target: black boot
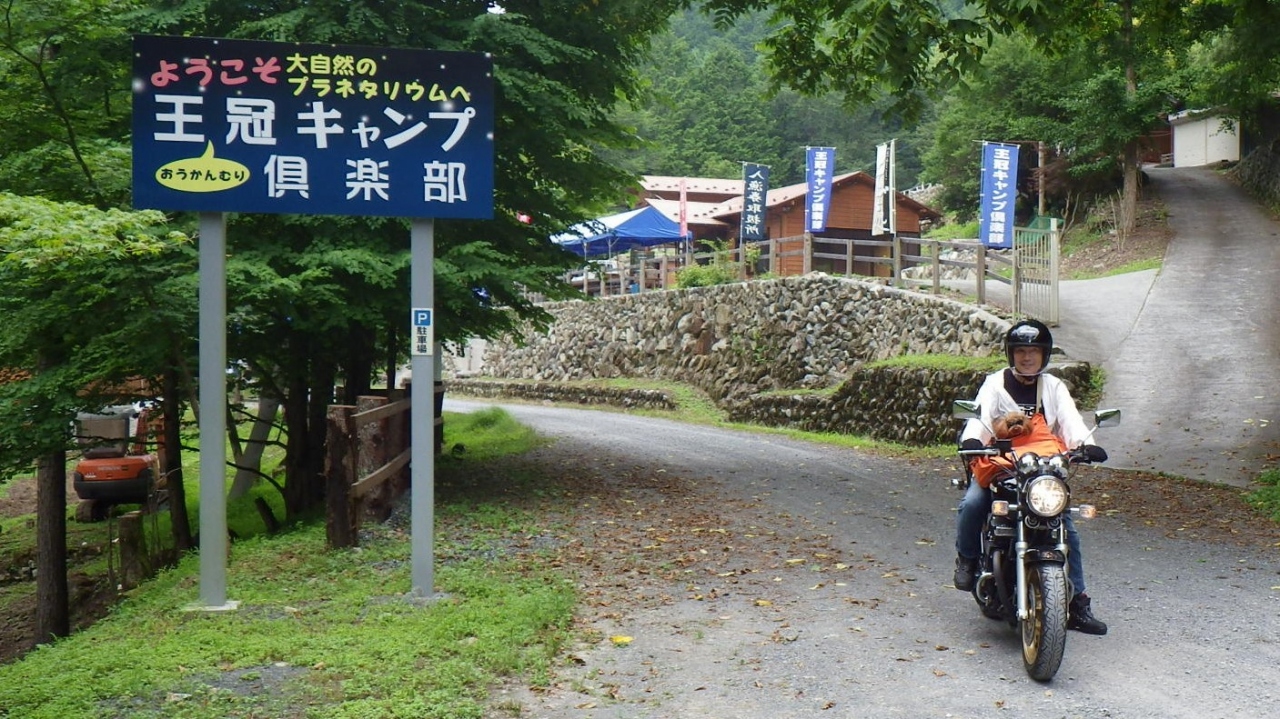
column 966, row 569
column 1080, row 616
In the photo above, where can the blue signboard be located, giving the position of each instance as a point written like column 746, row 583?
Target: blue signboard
column 245, row 126
column 999, row 194
column 820, row 163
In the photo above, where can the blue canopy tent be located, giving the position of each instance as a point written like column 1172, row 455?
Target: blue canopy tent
column 624, row 231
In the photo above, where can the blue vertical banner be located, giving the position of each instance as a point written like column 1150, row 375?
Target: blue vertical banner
column 755, row 191
column 819, row 165
column 999, row 193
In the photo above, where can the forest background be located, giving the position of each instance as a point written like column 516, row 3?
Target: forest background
column 589, row 95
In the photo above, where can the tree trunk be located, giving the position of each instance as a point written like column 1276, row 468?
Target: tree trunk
column 323, row 375
column 296, row 499
column 172, row 468
column 358, row 364
column 1129, row 200
column 249, row 465
column 52, row 610
column 391, row 358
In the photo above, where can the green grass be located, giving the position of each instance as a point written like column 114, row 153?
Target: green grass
column 954, row 231
column 694, row 407
column 320, row 633
column 333, row 626
column 1267, row 498
column 486, row 434
column 949, row 363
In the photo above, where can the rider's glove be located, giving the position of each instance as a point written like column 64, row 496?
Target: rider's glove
column 971, row 443
column 1095, row 453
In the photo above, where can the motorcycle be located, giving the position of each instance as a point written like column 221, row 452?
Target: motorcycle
column 1022, row 575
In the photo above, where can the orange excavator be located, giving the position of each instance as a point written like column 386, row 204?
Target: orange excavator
column 116, row 467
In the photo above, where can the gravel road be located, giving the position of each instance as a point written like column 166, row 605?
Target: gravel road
column 815, row 581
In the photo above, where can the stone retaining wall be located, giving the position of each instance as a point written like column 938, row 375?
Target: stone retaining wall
column 556, row 392
column 746, row 344
column 907, row 405
column 739, row 339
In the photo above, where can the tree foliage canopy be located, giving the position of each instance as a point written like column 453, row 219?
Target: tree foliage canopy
column 79, row 319
column 311, row 299
column 1124, row 64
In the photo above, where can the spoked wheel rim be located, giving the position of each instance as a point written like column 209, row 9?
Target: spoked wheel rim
column 1044, row 632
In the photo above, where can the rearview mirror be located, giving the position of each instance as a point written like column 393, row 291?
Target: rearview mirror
column 967, row 409
column 1106, row 417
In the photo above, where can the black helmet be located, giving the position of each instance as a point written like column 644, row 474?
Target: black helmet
column 1029, row 333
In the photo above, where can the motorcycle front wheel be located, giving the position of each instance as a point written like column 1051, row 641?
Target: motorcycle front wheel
column 1044, row 632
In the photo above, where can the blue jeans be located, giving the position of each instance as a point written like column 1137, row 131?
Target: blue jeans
column 972, row 514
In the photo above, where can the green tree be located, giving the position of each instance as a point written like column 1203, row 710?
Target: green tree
column 64, row 68
column 1237, row 66
column 1020, row 94
column 710, row 105
column 314, row 299
column 74, row 319
column 910, row 50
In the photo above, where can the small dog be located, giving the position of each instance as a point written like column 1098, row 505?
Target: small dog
column 1011, row 424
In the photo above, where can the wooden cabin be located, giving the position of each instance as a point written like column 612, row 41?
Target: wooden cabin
column 713, row 210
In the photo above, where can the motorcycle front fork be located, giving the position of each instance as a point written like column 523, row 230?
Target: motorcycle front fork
column 1020, row 547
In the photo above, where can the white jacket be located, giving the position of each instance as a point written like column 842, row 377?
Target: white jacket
column 1059, row 409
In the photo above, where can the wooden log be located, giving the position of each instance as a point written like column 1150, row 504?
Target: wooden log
column 371, row 457
column 135, row 563
column 340, row 524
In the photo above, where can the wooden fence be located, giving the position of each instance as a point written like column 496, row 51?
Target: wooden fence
column 367, row 466
column 1028, row 275
column 882, row 258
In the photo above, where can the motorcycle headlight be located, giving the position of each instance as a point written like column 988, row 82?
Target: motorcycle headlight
column 1047, row 496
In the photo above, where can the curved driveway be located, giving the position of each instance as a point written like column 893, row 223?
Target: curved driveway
column 877, row 632
column 1192, row 353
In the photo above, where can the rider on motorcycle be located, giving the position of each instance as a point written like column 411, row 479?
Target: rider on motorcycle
column 1046, row 400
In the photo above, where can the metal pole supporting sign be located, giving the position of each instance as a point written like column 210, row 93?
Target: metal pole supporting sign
column 422, row 410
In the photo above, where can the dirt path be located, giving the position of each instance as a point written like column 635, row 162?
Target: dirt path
column 731, row 574
column 1197, row 374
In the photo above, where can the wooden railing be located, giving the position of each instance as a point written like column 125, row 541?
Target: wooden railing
column 367, row 462
column 875, row 258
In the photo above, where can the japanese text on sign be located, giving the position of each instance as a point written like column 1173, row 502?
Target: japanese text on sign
column 818, row 166
column 755, row 191
column 233, row 125
column 422, row 331
column 999, row 193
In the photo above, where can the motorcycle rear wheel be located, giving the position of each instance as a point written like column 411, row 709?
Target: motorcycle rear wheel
column 1044, row 633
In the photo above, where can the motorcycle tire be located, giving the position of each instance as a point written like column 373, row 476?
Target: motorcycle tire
column 1044, row 632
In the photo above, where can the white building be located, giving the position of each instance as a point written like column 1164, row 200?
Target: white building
column 1203, row 137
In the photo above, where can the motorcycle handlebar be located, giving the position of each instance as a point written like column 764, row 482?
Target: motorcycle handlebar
column 1078, row 456
column 984, row 452
column 1074, row 456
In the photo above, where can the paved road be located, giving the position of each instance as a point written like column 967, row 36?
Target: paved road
column 1192, row 354
column 1193, row 625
